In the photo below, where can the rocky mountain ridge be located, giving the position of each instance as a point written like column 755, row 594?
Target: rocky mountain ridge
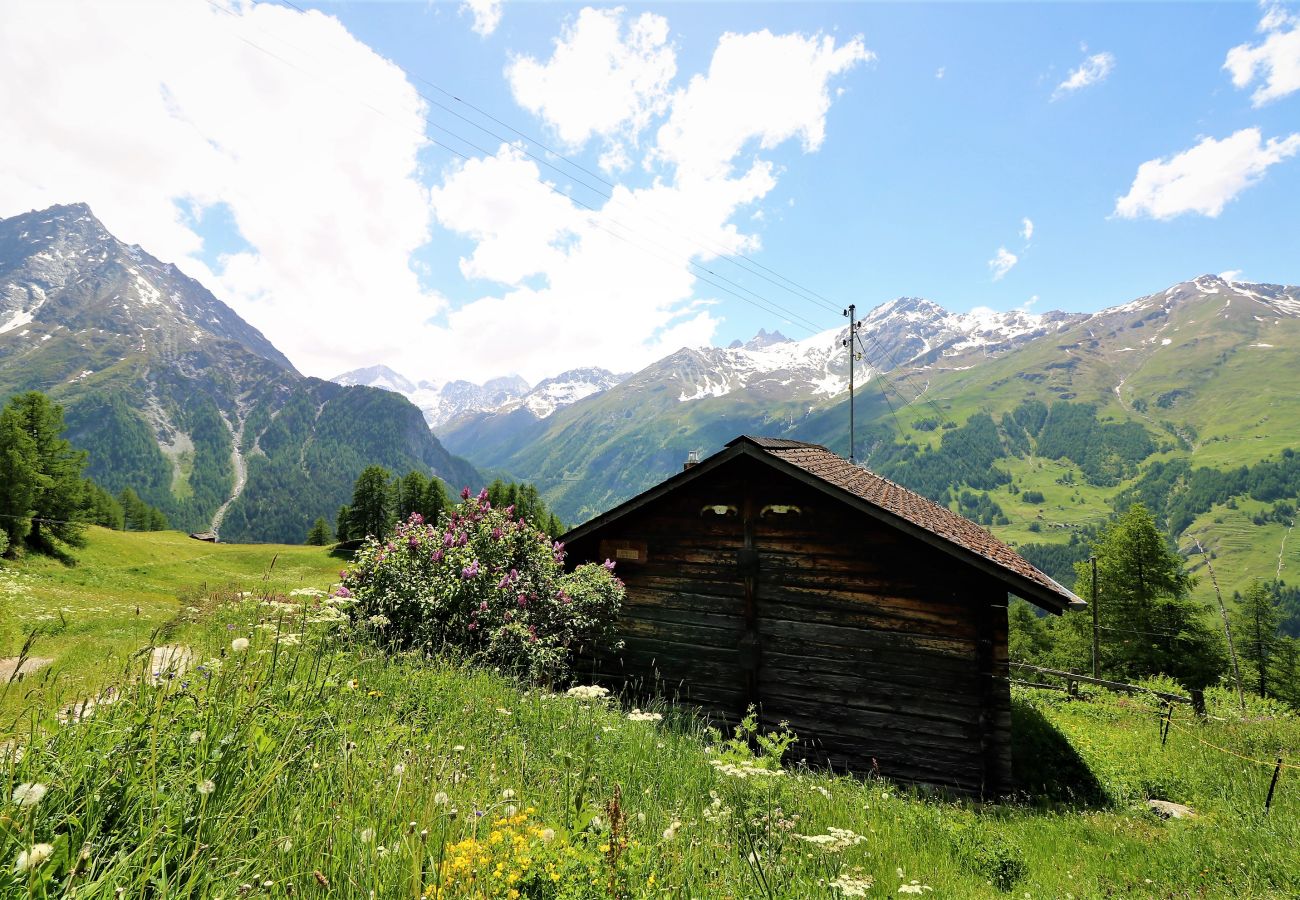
column 179, row 398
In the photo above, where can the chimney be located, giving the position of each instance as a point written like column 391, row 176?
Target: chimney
column 692, row 459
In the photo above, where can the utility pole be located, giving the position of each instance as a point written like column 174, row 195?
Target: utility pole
column 850, row 342
column 1096, row 654
column 1227, row 629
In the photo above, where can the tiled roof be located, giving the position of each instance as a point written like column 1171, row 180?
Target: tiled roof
column 821, row 463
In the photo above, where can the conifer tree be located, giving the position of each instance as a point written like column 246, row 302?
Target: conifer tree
column 435, row 500
column 1149, row 624
column 40, row 475
column 341, row 524
column 372, row 508
column 319, row 535
column 1258, row 618
column 412, row 494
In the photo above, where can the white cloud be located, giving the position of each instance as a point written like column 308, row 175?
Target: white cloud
column 615, row 287
column 759, row 86
column 1231, row 275
column 939, row 72
column 1002, row 263
column 606, row 78
column 1275, row 60
column 1092, row 70
column 486, row 14
column 316, row 162
column 1027, row 228
column 1204, row 178
column 151, row 104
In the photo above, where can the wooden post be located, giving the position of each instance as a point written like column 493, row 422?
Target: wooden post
column 1198, row 702
column 1096, row 654
column 1227, row 628
column 1272, row 785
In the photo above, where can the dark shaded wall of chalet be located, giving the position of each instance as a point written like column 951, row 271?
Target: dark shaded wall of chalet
column 877, row 648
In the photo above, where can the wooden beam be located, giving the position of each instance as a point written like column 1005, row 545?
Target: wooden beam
column 1113, row 685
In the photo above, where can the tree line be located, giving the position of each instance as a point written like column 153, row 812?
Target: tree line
column 1148, row 625
column 46, row 501
column 381, row 499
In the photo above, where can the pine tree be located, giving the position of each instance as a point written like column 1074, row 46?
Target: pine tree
column 1258, row 617
column 435, row 500
column 319, row 535
column 1149, row 624
column 19, row 479
column 42, row 472
column 372, row 506
column 341, row 524
column 411, row 500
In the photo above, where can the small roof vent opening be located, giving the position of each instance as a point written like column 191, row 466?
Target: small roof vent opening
column 692, row 459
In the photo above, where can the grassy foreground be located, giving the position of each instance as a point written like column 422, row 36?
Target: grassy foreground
column 308, row 763
column 126, row 585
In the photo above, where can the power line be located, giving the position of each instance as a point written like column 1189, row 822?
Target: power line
column 760, row 301
column 740, row 260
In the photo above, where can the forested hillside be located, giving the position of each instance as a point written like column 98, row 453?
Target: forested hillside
column 176, row 397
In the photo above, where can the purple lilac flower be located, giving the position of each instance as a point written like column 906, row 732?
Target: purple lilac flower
column 609, row 565
column 470, row 571
column 464, row 495
column 417, row 519
column 436, row 556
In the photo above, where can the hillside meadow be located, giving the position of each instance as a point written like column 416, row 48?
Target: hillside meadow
column 294, row 757
column 127, row 585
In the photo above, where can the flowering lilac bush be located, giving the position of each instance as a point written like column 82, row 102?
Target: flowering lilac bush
column 487, row 582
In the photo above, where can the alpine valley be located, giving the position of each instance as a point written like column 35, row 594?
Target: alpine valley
column 1038, row 425
column 178, row 398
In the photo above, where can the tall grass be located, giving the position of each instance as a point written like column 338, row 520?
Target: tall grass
column 311, row 763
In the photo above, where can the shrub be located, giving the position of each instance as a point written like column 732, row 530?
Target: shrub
column 486, row 582
column 989, row 855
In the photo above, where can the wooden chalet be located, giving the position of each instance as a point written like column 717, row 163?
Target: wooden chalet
column 871, row 619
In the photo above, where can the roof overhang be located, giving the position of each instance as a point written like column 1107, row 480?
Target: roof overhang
column 1040, row 595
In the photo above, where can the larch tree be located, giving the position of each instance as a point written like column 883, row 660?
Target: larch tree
column 1149, row 624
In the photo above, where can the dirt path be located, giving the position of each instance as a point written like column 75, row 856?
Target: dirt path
column 11, row 669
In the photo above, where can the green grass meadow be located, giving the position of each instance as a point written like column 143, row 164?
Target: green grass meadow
column 308, row 762
column 125, row 586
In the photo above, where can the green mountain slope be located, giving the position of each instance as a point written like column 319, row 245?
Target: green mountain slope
column 178, row 398
column 1038, row 437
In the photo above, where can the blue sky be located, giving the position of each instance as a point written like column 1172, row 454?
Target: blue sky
column 945, row 127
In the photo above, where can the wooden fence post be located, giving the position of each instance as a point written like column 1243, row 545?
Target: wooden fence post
column 1272, row 785
column 1198, row 702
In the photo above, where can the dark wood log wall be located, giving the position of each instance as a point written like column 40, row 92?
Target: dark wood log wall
column 880, row 650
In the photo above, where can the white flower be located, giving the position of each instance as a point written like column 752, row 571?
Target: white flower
column 835, row 839
column 459, row 748
column 588, row 692
column 239, row 644
column 914, row 888
column 30, row 859
column 285, row 844
column 207, row 786
column 671, row 831
column 441, row 799
column 399, row 770
column 367, row 835
column 196, row 737
column 637, row 716
column 29, row 794
column 547, row 835
column 853, row 883
column 507, row 794
column 510, row 810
